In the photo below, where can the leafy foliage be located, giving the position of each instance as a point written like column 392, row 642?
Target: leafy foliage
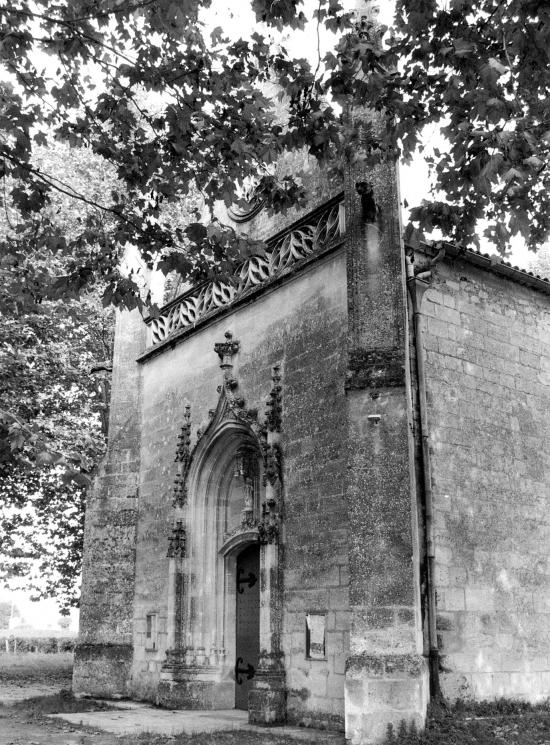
column 540, row 263
column 41, row 529
column 51, row 436
column 52, row 409
column 477, row 67
column 480, row 68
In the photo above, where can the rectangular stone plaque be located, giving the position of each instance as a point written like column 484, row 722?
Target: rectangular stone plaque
column 315, row 636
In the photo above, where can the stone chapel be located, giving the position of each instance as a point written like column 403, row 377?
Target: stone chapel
column 325, row 497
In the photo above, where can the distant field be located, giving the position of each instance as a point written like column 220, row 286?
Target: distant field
column 31, row 668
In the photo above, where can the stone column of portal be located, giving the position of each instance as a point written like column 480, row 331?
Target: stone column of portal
column 267, row 698
column 386, row 677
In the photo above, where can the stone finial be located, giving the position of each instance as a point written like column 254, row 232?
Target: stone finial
column 226, row 350
column 184, row 438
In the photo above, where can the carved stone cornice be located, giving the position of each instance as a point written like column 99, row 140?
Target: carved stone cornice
column 312, row 235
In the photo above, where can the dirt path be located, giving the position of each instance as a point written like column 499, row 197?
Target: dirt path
column 40, row 677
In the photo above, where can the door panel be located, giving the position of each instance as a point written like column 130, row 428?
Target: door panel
column 247, row 622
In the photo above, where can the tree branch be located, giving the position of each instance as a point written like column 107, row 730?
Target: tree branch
column 73, row 194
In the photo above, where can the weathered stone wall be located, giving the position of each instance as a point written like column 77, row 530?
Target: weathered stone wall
column 300, row 325
column 104, row 653
column 487, row 355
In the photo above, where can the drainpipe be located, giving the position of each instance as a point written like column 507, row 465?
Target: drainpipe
column 426, row 481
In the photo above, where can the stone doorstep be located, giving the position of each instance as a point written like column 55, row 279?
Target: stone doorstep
column 132, row 717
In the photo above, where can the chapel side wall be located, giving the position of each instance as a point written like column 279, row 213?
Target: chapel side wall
column 487, row 351
column 300, row 325
column 103, row 655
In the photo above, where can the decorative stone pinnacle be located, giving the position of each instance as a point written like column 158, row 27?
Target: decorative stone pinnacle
column 274, row 402
column 183, row 449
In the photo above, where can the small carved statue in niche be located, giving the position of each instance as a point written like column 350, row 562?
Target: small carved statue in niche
column 246, row 468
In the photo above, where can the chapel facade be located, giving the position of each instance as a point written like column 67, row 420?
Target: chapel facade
column 325, row 496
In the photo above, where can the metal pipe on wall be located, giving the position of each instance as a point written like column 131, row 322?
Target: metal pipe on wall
column 426, row 490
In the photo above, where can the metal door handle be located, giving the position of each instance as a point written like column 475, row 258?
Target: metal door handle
column 248, row 671
column 250, row 580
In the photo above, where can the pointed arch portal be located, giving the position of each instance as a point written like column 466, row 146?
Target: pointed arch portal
column 224, row 586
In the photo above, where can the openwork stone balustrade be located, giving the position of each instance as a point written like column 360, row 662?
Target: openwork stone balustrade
column 297, row 244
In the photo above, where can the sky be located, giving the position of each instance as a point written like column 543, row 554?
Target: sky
column 40, row 615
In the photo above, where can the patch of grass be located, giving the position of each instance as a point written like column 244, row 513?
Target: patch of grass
column 500, row 722
column 499, row 707
column 238, row 737
column 35, row 667
column 58, row 703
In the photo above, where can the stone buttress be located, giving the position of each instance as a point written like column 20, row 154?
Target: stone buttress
column 104, row 653
column 386, row 674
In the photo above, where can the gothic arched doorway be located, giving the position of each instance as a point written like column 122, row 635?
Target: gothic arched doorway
column 223, row 644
